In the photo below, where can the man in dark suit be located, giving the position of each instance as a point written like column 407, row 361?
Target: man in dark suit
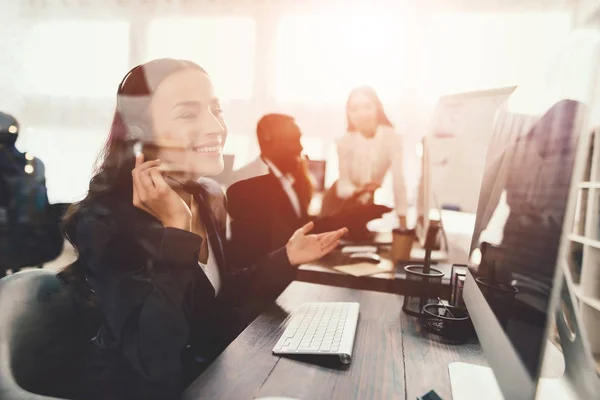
column 30, row 233
column 266, row 210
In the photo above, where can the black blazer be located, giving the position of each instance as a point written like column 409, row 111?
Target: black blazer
column 156, row 313
column 263, row 218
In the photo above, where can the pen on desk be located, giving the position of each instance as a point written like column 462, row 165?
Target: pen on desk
column 447, row 309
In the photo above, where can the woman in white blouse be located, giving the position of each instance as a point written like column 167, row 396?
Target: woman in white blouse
column 368, row 150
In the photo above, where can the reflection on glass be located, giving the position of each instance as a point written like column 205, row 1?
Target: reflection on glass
column 519, row 221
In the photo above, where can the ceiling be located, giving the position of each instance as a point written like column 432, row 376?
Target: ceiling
column 489, row 5
column 138, row 8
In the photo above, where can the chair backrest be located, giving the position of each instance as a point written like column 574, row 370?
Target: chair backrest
column 41, row 340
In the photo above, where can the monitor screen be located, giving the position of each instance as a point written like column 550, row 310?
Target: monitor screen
column 317, row 170
column 519, row 220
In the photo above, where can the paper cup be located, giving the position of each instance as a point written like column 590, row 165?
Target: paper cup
column 402, row 242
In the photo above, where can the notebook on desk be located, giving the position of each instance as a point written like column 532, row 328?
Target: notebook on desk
column 362, row 269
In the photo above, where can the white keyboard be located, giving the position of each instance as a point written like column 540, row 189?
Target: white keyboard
column 320, row 328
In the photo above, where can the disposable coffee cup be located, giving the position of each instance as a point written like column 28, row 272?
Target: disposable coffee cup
column 402, row 242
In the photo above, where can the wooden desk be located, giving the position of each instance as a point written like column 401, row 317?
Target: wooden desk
column 392, row 358
column 390, row 280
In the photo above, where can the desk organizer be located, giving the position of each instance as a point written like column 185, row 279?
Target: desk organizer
column 452, row 324
column 420, row 276
column 423, row 276
column 458, row 276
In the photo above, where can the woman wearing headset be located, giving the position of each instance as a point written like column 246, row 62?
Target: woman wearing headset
column 158, row 297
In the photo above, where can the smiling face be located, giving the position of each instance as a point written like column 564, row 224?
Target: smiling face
column 187, row 125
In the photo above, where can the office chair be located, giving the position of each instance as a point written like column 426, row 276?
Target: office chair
column 41, row 347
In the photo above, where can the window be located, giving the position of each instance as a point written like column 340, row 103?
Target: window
column 75, row 59
column 224, row 46
column 465, row 52
column 320, row 58
column 69, row 156
column 244, row 148
column 314, row 147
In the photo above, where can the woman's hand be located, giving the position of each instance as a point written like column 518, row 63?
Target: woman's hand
column 303, row 248
column 370, row 187
column 402, row 221
column 152, row 194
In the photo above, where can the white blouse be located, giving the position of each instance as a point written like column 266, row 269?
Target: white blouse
column 211, row 270
column 363, row 160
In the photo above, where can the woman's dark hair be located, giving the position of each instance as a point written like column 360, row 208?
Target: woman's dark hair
column 369, row 92
column 131, row 123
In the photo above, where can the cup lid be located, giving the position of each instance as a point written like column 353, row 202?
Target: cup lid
column 403, row 231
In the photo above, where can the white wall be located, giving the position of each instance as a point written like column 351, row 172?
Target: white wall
column 60, row 127
column 10, row 41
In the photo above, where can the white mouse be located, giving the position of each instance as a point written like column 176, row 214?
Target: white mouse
column 372, row 258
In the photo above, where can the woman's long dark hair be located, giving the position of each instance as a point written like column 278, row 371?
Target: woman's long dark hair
column 112, row 177
column 369, row 92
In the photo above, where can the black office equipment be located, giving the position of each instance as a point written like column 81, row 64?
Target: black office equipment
column 514, row 277
column 451, row 324
column 423, row 276
column 431, row 395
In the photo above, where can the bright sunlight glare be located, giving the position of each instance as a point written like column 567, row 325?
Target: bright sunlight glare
column 321, row 57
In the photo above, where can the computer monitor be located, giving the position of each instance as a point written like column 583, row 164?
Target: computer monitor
column 516, row 291
column 317, row 169
column 518, row 228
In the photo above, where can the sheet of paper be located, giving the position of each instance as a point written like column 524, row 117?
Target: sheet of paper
column 361, row 269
